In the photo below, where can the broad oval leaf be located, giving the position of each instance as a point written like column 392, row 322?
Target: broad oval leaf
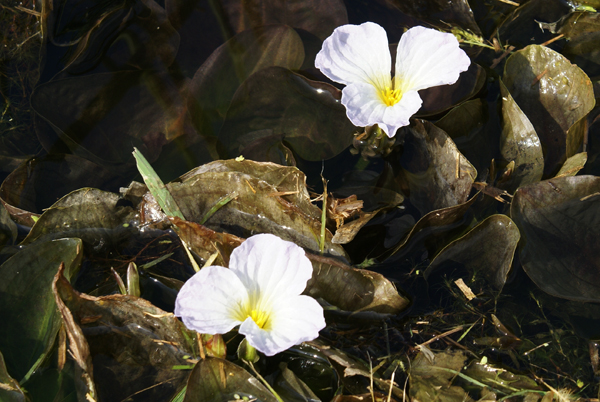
column 279, row 105
column 559, row 220
column 488, row 250
column 519, row 143
column 438, row 175
column 216, row 81
column 319, row 17
column 218, row 380
column 30, row 320
column 555, row 95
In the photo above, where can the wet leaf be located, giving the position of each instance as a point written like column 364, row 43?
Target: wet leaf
column 519, row 143
column 216, row 81
column 582, row 30
column 439, row 221
column 217, row 380
column 467, row 125
column 353, row 289
column 555, row 95
column 431, row 377
column 292, row 389
column 441, row 98
column 100, row 117
column 27, row 308
column 93, row 215
column 266, row 198
column 438, row 175
column 487, row 250
column 276, row 105
column 573, row 165
column 37, row 183
column 10, row 391
column 319, row 17
column 559, row 220
column 133, row 345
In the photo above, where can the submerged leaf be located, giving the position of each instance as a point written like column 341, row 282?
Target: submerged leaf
column 30, row 320
column 573, row 165
column 559, row 220
column 555, row 95
column 218, row 380
column 9, row 388
column 487, row 250
column 275, row 105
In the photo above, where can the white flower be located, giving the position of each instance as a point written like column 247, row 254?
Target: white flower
column 358, row 56
column 260, row 292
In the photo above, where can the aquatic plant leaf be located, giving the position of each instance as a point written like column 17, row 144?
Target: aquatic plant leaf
column 441, row 98
column 431, row 377
column 8, row 228
column 30, row 320
column 519, row 143
column 573, row 165
column 291, row 388
column 217, row 380
column 438, row 175
column 319, row 17
column 555, row 95
column 90, row 214
column 100, row 117
column 559, row 220
column 487, row 250
column 279, row 105
column 10, row 391
column 132, row 344
column 37, row 183
column 468, row 126
column 265, row 198
column 582, row 30
column 353, row 289
column 216, row 81
column 440, row 221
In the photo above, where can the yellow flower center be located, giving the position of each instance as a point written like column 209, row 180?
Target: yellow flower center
column 259, row 317
column 390, row 96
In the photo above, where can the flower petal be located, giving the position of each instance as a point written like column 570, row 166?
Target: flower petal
column 210, row 301
column 357, row 53
column 364, row 107
column 427, row 58
column 293, row 320
column 271, row 268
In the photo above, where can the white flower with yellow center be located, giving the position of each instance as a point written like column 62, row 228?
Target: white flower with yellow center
column 260, row 292
column 358, row 56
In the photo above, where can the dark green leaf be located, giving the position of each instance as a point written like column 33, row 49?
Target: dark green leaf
column 275, row 105
column 292, row 389
column 27, row 308
column 216, row 81
column 8, row 229
column 487, row 250
column 573, row 165
column 559, row 220
column 10, row 391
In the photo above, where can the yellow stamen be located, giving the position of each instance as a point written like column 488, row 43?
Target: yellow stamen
column 390, row 96
column 259, row 317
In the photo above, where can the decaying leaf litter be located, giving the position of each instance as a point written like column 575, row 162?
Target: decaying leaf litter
column 469, row 270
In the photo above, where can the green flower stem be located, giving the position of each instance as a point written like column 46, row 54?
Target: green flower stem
column 266, row 384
